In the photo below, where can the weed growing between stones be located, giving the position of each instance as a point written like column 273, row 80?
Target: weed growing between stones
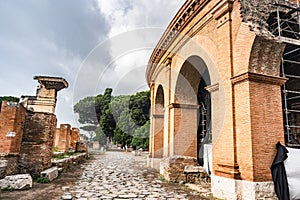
column 162, row 178
column 7, row 189
column 42, row 180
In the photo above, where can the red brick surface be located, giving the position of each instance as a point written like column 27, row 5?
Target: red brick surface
column 12, row 117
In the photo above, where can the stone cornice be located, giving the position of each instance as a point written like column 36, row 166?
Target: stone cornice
column 260, row 78
column 183, row 18
column 184, row 106
column 158, row 116
column 212, row 88
column 179, row 22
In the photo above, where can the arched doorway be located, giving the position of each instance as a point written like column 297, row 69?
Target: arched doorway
column 195, row 105
column 158, row 122
column 204, row 135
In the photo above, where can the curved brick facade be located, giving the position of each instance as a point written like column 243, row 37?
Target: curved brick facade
column 242, row 58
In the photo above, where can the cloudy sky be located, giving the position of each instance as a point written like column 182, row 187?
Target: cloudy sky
column 94, row 44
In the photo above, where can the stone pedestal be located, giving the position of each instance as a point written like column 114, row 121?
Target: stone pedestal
column 230, row 189
column 37, row 142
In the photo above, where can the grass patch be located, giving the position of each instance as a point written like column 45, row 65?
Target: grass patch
column 8, row 189
column 64, row 155
column 42, row 180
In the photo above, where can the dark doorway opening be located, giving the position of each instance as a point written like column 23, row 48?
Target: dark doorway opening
column 204, row 135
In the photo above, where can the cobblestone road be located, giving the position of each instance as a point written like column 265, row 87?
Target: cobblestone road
column 118, row 175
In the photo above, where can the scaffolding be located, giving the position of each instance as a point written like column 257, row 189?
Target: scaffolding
column 286, row 27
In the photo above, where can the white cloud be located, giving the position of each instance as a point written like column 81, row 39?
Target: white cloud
column 125, row 15
column 54, row 38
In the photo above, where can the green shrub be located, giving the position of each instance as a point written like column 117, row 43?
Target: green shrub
column 42, row 180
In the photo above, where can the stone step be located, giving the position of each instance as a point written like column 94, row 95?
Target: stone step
column 50, row 173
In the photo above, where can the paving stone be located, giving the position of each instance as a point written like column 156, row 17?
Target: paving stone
column 115, row 176
column 67, row 197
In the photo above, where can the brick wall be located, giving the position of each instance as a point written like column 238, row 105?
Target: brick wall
column 64, row 137
column 12, row 116
column 37, row 142
column 247, row 116
column 185, row 130
column 56, row 138
column 158, row 131
column 74, row 137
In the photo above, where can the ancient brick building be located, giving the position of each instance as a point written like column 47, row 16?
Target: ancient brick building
column 221, row 74
column 27, row 129
column 66, row 138
column 12, row 117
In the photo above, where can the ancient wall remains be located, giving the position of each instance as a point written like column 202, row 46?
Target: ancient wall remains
column 12, row 116
column 172, row 168
column 64, row 137
column 8, row 164
column 37, row 142
column 74, row 138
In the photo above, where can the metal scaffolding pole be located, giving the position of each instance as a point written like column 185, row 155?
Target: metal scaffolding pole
column 288, row 31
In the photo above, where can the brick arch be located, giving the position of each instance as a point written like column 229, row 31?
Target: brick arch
column 159, row 100
column 191, row 72
column 265, row 56
column 158, row 123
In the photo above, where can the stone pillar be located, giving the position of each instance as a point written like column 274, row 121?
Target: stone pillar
column 37, row 142
column 56, row 138
column 167, row 99
column 158, row 134
column 46, row 94
column 259, row 123
column 259, row 126
column 74, row 137
column 64, row 137
column 12, row 117
column 151, row 136
column 184, row 133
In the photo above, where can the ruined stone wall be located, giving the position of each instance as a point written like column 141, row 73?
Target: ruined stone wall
column 37, row 142
column 256, row 13
column 64, row 134
column 172, row 167
column 8, row 165
column 56, row 138
column 74, row 137
column 12, row 116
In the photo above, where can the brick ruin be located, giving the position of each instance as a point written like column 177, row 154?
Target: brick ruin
column 27, row 129
column 37, row 141
column 226, row 74
column 66, row 138
column 12, row 117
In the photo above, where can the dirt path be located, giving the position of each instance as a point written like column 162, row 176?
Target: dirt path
column 48, row 191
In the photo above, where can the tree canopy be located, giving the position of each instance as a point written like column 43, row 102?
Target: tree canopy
column 8, row 98
column 123, row 119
